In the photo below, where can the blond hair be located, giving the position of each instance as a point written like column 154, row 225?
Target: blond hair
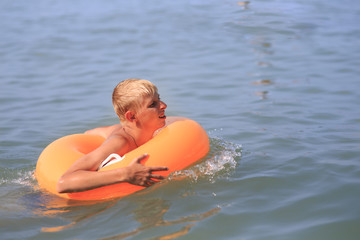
column 128, row 95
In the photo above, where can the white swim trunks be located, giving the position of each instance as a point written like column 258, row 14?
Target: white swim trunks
column 111, row 159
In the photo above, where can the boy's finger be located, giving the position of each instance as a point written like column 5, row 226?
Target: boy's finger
column 159, row 168
column 156, row 176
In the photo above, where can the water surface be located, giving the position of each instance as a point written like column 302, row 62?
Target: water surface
column 274, row 83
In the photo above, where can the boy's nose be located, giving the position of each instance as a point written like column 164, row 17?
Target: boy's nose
column 163, row 105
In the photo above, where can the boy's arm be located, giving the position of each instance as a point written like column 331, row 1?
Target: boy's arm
column 82, row 175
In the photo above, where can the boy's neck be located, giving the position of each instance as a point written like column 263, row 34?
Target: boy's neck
column 138, row 135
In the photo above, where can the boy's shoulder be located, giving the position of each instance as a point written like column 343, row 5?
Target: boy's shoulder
column 105, row 131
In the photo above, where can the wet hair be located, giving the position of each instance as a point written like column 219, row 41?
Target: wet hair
column 128, row 95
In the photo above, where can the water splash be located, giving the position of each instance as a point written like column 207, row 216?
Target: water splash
column 221, row 160
column 23, row 177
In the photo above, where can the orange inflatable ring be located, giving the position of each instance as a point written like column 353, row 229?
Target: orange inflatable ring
column 176, row 146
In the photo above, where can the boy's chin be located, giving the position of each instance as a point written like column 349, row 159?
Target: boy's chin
column 163, row 122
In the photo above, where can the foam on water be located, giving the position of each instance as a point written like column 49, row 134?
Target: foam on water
column 23, row 177
column 221, row 160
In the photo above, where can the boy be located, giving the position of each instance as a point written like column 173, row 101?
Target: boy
column 141, row 112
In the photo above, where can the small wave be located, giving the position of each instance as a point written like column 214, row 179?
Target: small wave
column 221, row 160
column 24, row 177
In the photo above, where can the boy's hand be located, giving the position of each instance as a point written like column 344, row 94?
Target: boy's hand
column 138, row 174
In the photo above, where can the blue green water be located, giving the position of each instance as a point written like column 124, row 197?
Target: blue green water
column 274, row 83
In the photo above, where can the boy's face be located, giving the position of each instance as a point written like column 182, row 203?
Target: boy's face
column 151, row 115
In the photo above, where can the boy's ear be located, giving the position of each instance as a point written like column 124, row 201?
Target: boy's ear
column 130, row 116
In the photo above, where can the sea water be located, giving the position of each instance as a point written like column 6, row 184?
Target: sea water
column 274, row 83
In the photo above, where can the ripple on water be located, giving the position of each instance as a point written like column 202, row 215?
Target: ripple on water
column 221, row 160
